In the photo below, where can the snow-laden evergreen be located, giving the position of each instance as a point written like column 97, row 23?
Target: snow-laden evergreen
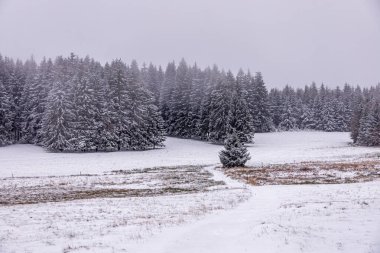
column 6, row 116
column 239, row 118
column 75, row 104
column 261, row 116
column 312, row 108
column 57, row 132
column 365, row 126
column 235, row 154
column 369, row 129
column 221, row 98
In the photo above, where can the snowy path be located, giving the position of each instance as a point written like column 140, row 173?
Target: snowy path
column 322, row 218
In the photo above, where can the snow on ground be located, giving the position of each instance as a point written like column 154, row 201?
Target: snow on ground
column 282, row 147
column 286, row 219
column 116, row 184
column 86, row 213
column 103, row 225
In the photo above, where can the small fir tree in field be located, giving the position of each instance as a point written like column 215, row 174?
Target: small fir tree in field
column 235, row 153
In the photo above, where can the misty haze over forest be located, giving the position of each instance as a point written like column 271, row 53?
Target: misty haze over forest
column 291, row 42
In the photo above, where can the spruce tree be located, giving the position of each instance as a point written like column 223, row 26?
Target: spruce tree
column 105, row 137
column 42, row 84
column 56, row 130
column 211, row 78
column 220, row 106
column 197, row 92
column 240, row 118
column 138, row 99
column 357, row 113
column 235, row 154
column 369, row 131
column 317, row 110
column 179, row 120
column 16, row 84
column 262, row 120
column 308, row 121
column 155, row 130
column 276, row 105
column 329, row 117
column 119, row 104
column 288, row 119
column 85, row 110
column 168, row 85
column 6, row 116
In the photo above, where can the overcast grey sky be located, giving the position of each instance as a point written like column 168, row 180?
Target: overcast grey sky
column 291, row 41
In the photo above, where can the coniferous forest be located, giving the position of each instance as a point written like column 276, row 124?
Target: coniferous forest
column 76, row 104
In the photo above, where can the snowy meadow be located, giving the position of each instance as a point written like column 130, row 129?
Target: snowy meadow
column 189, row 126
column 268, row 148
column 175, row 199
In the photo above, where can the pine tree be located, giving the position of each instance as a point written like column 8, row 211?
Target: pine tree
column 119, row 104
column 276, row 106
column 357, row 112
column 167, row 87
column 235, row 153
column 262, row 120
column 179, row 120
column 288, row 119
column 85, row 119
column 196, row 98
column 155, row 127
column 212, row 76
column 137, row 112
column 317, row 110
column 56, row 130
column 340, row 116
column 369, row 131
column 220, row 105
column 240, row 118
column 105, row 137
column 27, row 103
column 145, row 121
column 308, row 121
column 26, row 117
column 153, row 83
column 41, row 85
column 328, row 117
column 16, row 84
column 6, row 116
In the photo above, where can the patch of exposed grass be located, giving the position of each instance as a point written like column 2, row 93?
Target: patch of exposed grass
column 117, row 184
column 308, row 173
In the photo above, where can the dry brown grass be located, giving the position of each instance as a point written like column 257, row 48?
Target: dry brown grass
column 117, row 184
column 308, row 173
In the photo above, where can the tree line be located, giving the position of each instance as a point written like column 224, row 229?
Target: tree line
column 76, row 104
column 316, row 108
column 349, row 109
column 365, row 127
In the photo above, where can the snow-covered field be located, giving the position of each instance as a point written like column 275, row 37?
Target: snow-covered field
column 284, row 147
column 285, row 219
column 106, row 224
column 184, row 209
